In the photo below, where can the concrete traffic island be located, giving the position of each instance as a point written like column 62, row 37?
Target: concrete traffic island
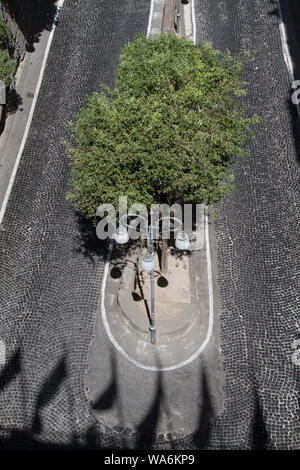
column 181, row 306
column 158, row 392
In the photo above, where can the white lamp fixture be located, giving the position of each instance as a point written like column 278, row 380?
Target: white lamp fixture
column 121, row 235
column 148, row 262
column 182, row 241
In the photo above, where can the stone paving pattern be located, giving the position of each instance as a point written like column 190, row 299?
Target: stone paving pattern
column 49, row 289
column 257, row 231
column 50, row 276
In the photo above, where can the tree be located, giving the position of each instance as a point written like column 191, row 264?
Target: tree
column 7, row 65
column 168, row 132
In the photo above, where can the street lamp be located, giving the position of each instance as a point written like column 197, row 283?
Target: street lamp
column 182, row 241
column 121, row 236
column 148, row 262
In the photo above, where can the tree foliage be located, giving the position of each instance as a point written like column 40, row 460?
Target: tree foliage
column 7, row 65
column 168, row 131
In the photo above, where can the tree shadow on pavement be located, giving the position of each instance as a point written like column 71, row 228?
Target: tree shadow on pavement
column 11, row 369
column 147, row 428
column 13, row 101
column 32, row 20
column 32, row 439
column 147, row 435
column 201, row 436
column 109, row 396
column 48, row 392
column 295, row 123
column 259, row 431
column 91, row 247
column 275, row 11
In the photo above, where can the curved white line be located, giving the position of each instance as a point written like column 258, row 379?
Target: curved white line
column 28, row 124
column 210, row 323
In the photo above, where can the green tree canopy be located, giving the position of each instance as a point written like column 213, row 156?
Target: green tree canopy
column 7, row 65
column 168, row 131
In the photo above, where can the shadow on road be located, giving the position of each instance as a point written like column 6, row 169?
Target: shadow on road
column 32, row 20
column 147, row 427
column 109, row 396
column 206, row 412
column 48, row 392
column 291, row 19
column 274, row 5
column 259, row 431
column 147, row 435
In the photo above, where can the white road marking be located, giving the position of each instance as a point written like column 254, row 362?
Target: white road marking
column 27, row 128
column 150, row 18
column 286, row 51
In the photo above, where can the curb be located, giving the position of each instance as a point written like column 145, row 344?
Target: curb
column 156, row 22
column 2, row 98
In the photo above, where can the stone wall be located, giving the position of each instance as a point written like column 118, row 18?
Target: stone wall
column 25, row 21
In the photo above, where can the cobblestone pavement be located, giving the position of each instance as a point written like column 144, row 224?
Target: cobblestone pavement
column 49, row 288
column 257, row 232
column 50, row 276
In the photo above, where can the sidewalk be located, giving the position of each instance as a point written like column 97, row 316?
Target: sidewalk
column 26, row 81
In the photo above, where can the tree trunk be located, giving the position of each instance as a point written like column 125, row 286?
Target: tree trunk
column 164, row 256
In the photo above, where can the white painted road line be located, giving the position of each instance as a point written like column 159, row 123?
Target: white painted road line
column 27, row 128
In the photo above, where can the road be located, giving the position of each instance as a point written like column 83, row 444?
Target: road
column 50, row 281
column 257, row 231
column 52, row 265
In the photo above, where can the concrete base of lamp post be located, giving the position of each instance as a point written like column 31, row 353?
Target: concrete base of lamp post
column 182, row 325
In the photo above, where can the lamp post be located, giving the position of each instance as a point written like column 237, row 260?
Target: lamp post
column 148, row 262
